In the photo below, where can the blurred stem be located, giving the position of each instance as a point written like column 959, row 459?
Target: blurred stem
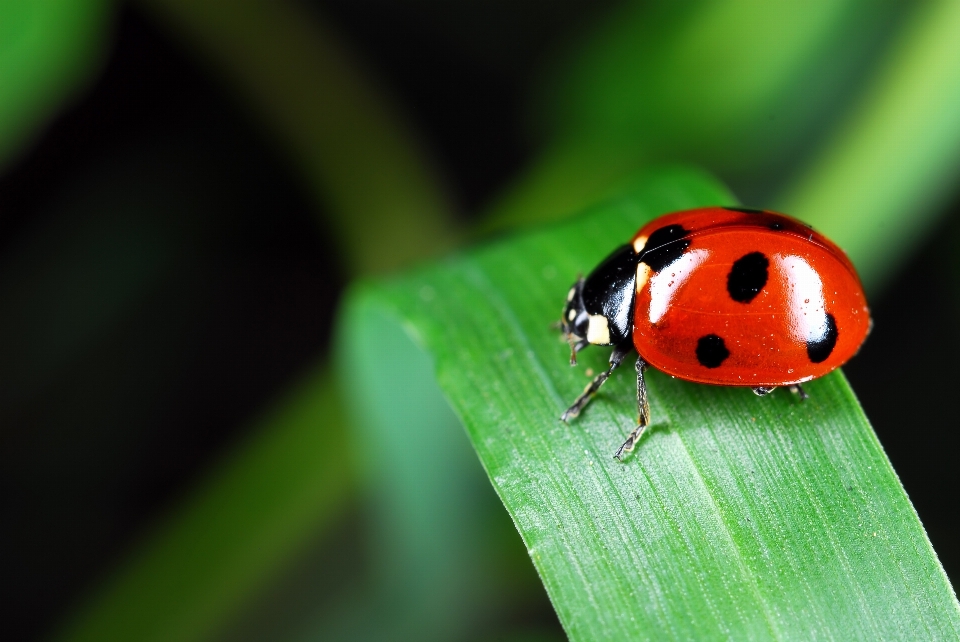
column 386, row 206
column 264, row 501
column 661, row 82
column 359, row 157
column 880, row 180
column 565, row 179
column 48, row 51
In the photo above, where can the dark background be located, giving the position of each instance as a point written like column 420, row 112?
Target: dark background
column 116, row 402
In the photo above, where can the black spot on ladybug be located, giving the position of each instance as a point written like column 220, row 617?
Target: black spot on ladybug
column 711, row 351
column 665, row 246
column 820, row 349
column 747, row 277
column 744, row 210
column 776, row 227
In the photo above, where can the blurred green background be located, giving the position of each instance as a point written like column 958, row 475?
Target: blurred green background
column 187, row 188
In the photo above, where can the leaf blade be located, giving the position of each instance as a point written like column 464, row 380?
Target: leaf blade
column 738, row 517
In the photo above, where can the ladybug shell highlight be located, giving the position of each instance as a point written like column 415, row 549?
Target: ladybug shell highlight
column 740, row 297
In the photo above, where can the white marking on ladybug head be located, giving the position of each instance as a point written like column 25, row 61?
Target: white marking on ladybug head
column 571, row 315
column 643, row 275
column 639, row 243
column 570, row 294
column 598, row 330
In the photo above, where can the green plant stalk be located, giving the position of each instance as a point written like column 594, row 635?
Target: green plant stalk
column 736, row 86
column 567, row 177
column 737, row 517
column 363, row 164
column 703, row 78
column 368, row 172
column 880, row 181
column 264, row 500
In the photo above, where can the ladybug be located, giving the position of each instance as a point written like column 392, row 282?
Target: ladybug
column 727, row 296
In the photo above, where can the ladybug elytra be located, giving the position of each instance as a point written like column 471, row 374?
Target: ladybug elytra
column 720, row 295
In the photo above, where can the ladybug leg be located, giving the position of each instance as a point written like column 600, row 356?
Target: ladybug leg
column 616, row 357
column 797, row 389
column 643, row 406
column 762, row 391
column 643, row 412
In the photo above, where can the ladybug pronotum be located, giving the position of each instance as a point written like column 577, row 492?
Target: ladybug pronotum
column 721, row 295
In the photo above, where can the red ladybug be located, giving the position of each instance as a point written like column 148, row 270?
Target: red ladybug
column 721, row 295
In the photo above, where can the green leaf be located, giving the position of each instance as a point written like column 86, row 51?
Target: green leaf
column 737, row 517
column 445, row 557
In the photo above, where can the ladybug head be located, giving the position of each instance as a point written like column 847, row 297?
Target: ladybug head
column 575, row 320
